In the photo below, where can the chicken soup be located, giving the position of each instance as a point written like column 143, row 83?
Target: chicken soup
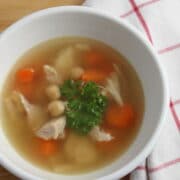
column 72, row 105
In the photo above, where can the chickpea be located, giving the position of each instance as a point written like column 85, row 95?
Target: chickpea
column 77, row 72
column 53, row 92
column 56, row 108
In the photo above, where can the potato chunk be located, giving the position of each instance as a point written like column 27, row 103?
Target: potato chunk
column 65, row 61
column 80, row 149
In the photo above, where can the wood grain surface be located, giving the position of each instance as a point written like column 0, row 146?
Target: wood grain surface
column 11, row 11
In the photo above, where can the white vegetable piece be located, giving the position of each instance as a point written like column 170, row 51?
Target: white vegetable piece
column 65, row 61
column 51, row 75
column 77, row 72
column 100, row 135
column 53, row 129
column 53, row 92
column 56, row 108
column 80, row 149
column 113, row 87
column 36, row 116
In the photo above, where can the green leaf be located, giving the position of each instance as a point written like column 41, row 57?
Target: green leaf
column 70, row 89
column 85, row 106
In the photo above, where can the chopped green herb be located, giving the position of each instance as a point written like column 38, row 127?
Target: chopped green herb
column 70, row 89
column 85, row 105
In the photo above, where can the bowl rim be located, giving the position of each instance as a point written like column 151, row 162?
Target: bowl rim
column 165, row 94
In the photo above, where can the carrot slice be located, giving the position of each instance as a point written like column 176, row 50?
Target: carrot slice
column 25, row 75
column 47, row 148
column 97, row 60
column 94, row 58
column 120, row 117
column 93, row 75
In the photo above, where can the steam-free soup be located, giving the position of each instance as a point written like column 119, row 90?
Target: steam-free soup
column 72, row 105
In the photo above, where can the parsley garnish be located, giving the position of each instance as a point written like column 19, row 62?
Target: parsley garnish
column 85, row 105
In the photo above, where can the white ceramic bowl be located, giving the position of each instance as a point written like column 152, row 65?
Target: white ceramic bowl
column 81, row 21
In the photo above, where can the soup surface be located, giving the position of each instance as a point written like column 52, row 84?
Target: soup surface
column 72, row 105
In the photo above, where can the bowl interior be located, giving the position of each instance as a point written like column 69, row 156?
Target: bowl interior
column 77, row 21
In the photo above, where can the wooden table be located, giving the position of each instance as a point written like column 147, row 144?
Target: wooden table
column 12, row 10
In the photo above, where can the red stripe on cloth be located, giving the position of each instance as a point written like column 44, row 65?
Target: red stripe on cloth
column 176, row 102
column 139, row 6
column 127, row 14
column 141, row 19
column 141, row 168
column 164, row 165
column 147, row 3
column 176, row 119
column 170, row 48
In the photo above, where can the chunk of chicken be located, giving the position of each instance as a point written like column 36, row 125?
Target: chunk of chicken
column 53, row 129
column 51, row 75
column 35, row 115
column 99, row 135
column 65, row 61
column 113, row 87
column 16, row 102
column 13, row 107
column 80, row 149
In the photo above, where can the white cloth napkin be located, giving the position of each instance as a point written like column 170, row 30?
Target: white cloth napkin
column 159, row 21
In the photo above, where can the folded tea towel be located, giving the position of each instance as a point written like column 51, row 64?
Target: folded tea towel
column 158, row 21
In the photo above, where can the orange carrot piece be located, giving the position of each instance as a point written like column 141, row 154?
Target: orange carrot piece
column 47, row 148
column 120, row 117
column 93, row 75
column 94, row 58
column 25, row 75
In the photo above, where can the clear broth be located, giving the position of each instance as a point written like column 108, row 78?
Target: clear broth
column 22, row 138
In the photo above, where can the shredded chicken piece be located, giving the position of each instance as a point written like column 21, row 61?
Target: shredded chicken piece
column 100, row 135
column 18, row 102
column 13, row 105
column 113, row 87
column 36, row 116
column 53, row 129
column 117, row 70
column 51, row 74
